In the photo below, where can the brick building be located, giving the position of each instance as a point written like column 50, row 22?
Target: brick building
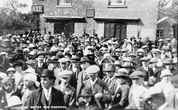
column 105, row 17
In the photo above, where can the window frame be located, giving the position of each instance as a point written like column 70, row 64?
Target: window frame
column 122, row 5
column 59, row 4
column 122, row 26
column 160, row 33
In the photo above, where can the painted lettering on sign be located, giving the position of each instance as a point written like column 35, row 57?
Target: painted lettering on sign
column 37, row 9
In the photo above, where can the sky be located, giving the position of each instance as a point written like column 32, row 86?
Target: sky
column 28, row 2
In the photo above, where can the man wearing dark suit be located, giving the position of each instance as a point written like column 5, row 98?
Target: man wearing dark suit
column 40, row 65
column 47, row 97
column 120, row 91
column 145, row 68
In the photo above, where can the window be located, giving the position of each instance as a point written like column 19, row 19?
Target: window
column 64, row 2
column 160, row 34
column 115, row 29
column 116, row 2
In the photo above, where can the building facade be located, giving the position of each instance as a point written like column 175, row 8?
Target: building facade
column 107, row 18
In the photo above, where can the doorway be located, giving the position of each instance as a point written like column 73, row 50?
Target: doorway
column 66, row 27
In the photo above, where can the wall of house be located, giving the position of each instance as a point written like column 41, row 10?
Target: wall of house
column 146, row 10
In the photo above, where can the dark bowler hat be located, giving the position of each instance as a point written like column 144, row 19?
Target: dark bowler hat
column 137, row 74
column 86, row 92
column 18, row 63
column 109, row 67
column 85, row 59
column 75, row 58
column 48, row 73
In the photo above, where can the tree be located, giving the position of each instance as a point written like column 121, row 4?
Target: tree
column 168, row 8
column 12, row 18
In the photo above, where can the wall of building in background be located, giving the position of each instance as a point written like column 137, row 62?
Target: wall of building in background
column 145, row 10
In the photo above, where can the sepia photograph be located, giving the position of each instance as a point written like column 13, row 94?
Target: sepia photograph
column 88, row 55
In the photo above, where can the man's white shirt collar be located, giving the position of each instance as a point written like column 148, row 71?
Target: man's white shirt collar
column 93, row 82
column 47, row 92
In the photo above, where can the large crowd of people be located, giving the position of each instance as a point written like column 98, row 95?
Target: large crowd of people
column 54, row 72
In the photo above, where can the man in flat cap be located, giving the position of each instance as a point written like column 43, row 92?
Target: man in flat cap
column 136, row 91
column 145, row 68
column 64, row 64
column 68, row 91
column 46, row 97
column 99, row 88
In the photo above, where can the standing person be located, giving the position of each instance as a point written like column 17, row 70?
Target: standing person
column 46, row 97
column 155, row 100
column 109, row 70
column 137, row 90
column 40, row 65
column 7, row 92
column 139, row 42
column 31, row 84
column 165, row 82
column 99, row 88
column 67, row 90
column 120, row 91
column 75, row 65
column 84, row 63
column 172, row 97
column 19, row 74
column 10, row 72
column 65, row 64
column 145, row 68
column 168, row 64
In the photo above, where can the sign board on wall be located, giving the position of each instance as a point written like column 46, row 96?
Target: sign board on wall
column 37, row 9
column 90, row 13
